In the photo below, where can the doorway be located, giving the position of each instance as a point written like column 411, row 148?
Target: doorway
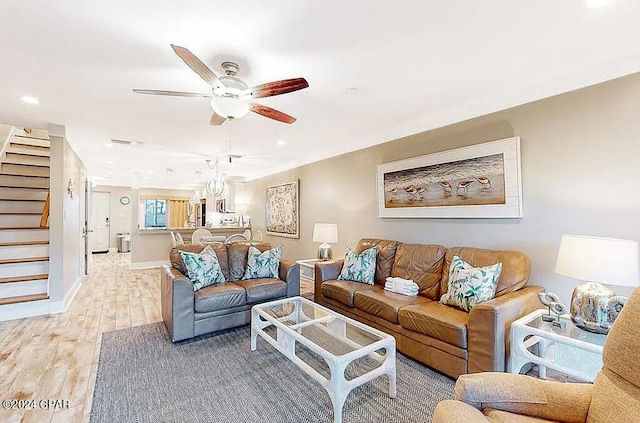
column 100, row 222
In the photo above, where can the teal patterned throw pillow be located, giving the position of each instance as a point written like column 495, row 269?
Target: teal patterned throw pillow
column 470, row 285
column 263, row 265
column 359, row 267
column 202, row 269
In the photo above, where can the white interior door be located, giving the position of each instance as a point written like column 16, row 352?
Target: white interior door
column 100, row 222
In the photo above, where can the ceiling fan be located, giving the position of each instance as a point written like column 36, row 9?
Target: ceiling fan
column 231, row 97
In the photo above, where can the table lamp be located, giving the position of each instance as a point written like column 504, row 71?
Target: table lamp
column 325, row 233
column 595, row 260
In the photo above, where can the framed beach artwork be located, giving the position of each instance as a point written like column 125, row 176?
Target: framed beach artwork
column 283, row 215
column 479, row 181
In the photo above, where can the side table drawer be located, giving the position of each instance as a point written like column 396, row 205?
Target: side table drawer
column 307, row 271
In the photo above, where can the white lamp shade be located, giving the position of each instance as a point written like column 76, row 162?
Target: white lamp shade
column 605, row 260
column 325, row 232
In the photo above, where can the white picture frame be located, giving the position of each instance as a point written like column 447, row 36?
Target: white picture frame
column 479, row 181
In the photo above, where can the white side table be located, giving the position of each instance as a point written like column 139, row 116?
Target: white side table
column 570, row 350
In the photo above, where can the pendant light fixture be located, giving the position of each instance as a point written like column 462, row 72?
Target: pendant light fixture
column 215, row 185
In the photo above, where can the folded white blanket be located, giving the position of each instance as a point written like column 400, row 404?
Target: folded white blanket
column 401, row 286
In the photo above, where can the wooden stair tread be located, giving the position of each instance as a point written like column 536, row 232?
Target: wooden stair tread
column 22, row 144
column 20, row 153
column 24, row 278
column 23, row 243
column 29, row 137
column 23, row 299
column 23, row 176
column 21, row 199
column 20, row 213
column 24, row 260
column 23, row 187
column 20, row 228
column 9, row 162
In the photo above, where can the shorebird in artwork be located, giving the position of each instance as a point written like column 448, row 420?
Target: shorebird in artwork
column 463, row 185
column 446, row 186
column 484, row 181
column 420, row 190
column 410, row 188
column 393, row 190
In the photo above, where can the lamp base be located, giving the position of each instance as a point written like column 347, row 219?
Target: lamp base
column 594, row 307
column 325, row 252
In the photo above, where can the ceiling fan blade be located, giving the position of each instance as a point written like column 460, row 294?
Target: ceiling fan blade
column 216, row 119
column 271, row 113
column 275, row 88
column 198, row 67
column 172, row 93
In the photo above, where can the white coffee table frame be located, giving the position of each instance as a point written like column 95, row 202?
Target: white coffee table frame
column 524, row 336
column 338, row 387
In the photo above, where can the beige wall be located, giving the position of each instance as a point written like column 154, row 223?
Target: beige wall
column 150, row 247
column 580, row 175
column 119, row 214
column 66, row 219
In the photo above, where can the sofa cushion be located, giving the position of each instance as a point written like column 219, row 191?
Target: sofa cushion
column 218, row 247
column 386, row 252
column 436, row 320
column 263, row 289
column 359, row 267
column 342, row 291
column 262, row 264
column 219, row 297
column 383, row 303
column 203, row 269
column 237, row 253
column 470, row 285
column 516, row 267
column 422, row 264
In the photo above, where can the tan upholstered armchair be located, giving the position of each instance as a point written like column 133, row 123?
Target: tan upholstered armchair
column 614, row 396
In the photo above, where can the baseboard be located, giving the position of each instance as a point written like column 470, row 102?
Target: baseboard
column 113, row 249
column 56, row 307
column 148, row 264
column 22, row 310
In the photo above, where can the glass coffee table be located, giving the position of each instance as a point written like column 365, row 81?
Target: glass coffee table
column 311, row 335
column 569, row 349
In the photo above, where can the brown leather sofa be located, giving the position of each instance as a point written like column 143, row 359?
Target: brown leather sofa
column 222, row 306
column 443, row 337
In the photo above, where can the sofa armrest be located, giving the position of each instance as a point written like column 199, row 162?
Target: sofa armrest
column 290, row 273
column 489, row 324
column 325, row 271
column 450, row 411
column 177, row 299
column 524, row 395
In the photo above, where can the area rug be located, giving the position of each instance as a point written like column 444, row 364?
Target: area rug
column 143, row 377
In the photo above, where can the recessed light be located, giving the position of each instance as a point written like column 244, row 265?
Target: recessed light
column 351, row 91
column 110, row 172
column 150, row 172
column 29, row 99
column 110, row 162
column 594, row 4
column 281, row 142
column 108, row 145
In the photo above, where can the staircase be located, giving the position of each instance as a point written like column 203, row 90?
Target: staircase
column 24, row 231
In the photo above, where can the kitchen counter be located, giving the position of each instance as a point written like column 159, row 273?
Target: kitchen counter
column 225, row 230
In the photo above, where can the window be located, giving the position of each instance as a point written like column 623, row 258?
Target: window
column 155, row 213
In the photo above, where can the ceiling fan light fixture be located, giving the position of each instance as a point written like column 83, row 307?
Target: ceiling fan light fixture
column 230, row 107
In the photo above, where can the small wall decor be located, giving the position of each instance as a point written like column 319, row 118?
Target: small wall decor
column 283, row 217
column 480, row 181
column 125, row 200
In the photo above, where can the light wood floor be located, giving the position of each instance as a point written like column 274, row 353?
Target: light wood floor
column 55, row 357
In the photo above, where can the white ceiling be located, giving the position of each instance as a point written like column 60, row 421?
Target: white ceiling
column 417, row 65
